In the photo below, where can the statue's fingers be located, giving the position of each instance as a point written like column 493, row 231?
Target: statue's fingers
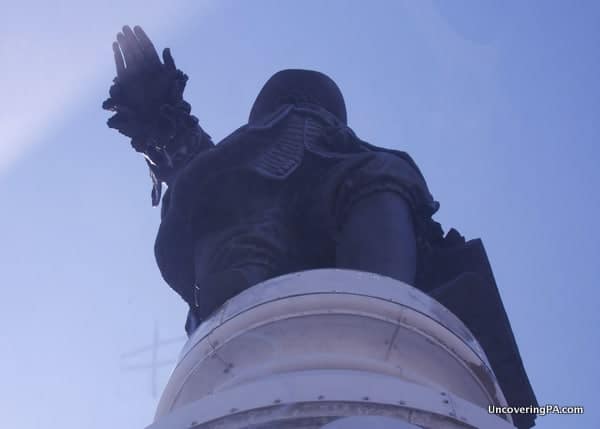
column 133, row 46
column 118, row 60
column 168, row 59
column 123, row 44
column 146, row 46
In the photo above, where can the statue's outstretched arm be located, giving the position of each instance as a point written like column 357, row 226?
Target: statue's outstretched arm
column 147, row 98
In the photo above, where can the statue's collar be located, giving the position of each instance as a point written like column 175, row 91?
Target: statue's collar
column 278, row 115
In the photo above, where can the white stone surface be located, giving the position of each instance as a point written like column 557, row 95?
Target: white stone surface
column 326, row 344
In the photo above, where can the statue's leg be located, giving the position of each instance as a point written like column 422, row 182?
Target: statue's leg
column 378, row 236
column 378, row 201
column 229, row 261
column 215, row 289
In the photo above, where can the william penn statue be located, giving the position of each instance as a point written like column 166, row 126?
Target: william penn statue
column 293, row 189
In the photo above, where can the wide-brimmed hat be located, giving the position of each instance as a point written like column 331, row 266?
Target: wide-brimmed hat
column 295, row 86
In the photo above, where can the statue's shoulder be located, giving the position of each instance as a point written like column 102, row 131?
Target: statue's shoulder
column 398, row 153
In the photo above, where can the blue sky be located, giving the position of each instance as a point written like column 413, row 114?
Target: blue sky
column 498, row 102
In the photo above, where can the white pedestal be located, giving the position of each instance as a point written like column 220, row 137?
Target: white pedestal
column 307, row 350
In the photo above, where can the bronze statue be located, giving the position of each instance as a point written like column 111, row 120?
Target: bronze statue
column 291, row 190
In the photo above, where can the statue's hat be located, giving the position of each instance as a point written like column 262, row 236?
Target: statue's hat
column 294, row 86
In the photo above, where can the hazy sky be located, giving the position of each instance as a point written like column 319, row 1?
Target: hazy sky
column 498, row 102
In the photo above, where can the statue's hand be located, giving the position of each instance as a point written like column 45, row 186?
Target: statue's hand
column 146, row 92
column 147, row 96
